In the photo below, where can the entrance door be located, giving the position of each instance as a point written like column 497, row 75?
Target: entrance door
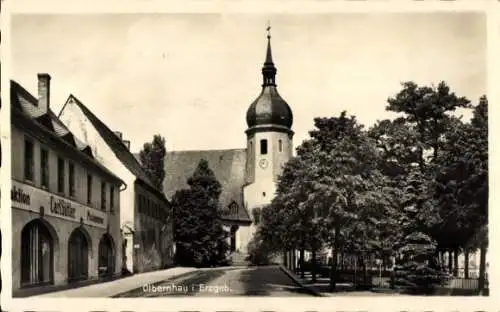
column 37, row 254
column 234, row 228
column 78, row 256
column 106, row 257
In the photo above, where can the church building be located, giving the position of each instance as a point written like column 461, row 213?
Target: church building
column 248, row 176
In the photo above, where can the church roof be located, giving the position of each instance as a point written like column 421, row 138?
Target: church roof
column 229, row 167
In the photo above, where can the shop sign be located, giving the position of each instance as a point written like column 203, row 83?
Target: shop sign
column 27, row 197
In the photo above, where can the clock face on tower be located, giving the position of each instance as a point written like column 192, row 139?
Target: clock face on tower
column 263, row 163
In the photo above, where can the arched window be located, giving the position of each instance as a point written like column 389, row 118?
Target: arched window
column 78, row 256
column 106, row 256
column 37, row 254
column 280, row 145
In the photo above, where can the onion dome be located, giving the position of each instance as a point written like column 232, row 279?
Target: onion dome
column 269, row 108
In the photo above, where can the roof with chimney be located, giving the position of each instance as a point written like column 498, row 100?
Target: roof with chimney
column 229, row 167
column 42, row 122
column 117, row 145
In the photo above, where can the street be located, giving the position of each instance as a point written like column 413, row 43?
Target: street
column 231, row 281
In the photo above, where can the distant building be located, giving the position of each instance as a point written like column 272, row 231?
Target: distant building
column 65, row 204
column 248, row 176
column 146, row 214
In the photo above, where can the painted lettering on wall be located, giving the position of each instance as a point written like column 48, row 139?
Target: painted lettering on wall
column 18, row 195
column 61, row 207
column 94, row 218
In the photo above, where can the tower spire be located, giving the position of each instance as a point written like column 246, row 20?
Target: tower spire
column 269, row 71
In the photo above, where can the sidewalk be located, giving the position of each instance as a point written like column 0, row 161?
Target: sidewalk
column 322, row 286
column 121, row 285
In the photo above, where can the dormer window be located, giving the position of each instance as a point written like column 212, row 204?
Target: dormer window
column 263, row 147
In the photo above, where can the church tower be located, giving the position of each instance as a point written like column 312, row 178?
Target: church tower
column 269, row 139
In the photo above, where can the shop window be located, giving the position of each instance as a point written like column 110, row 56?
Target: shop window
column 60, row 175
column 37, row 255
column 106, row 256
column 71, row 170
column 89, row 189
column 78, row 256
column 44, row 168
column 28, row 160
column 263, row 147
column 103, row 195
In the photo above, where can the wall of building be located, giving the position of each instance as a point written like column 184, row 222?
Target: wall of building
column 153, row 235
column 31, row 201
column 78, row 123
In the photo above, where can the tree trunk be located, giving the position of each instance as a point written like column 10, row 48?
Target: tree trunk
column 335, row 250
column 450, row 261
column 313, row 265
column 285, row 259
column 362, row 265
column 466, row 263
column 482, row 268
column 333, row 270
column 301, row 261
column 342, row 263
column 365, row 269
column 294, row 260
column 455, row 262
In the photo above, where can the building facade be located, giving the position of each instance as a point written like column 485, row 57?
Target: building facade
column 146, row 214
column 65, row 204
column 248, row 176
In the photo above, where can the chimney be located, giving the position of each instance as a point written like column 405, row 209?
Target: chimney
column 44, row 92
column 127, row 144
column 119, row 134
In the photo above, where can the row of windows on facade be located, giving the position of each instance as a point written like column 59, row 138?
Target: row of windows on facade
column 29, row 173
column 151, row 209
column 263, row 146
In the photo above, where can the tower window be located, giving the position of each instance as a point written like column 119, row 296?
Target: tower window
column 263, row 147
column 280, row 145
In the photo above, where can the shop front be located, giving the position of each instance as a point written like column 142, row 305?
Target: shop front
column 57, row 240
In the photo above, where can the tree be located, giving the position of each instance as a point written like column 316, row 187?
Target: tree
column 288, row 222
column 462, row 184
column 199, row 234
column 350, row 191
column 411, row 147
column 152, row 157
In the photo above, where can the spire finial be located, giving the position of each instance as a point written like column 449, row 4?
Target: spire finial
column 269, row 71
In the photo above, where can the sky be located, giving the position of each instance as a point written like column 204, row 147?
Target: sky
column 192, row 77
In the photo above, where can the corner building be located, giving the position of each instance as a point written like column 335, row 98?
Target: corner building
column 65, row 204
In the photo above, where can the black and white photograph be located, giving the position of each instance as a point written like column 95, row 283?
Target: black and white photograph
column 335, row 154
